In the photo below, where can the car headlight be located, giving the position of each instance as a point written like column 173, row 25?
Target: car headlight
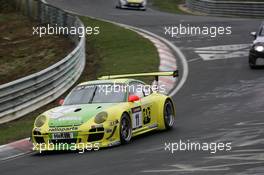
column 40, row 121
column 259, row 48
column 100, row 117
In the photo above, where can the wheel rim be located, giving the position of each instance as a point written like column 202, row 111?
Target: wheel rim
column 125, row 129
column 169, row 116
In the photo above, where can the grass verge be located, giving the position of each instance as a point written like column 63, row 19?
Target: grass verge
column 114, row 51
column 171, row 6
column 22, row 53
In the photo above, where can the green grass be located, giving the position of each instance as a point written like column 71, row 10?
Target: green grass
column 114, row 51
column 171, row 6
column 121, row 50
column 22, row 53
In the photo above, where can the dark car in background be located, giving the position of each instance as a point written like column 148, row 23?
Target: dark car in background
column 257, row 50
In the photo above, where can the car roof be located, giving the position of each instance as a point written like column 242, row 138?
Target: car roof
column 110, row 81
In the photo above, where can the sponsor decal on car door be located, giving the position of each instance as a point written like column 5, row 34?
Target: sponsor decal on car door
column 137, row 118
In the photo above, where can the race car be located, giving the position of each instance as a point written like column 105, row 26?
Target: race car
column 105, row 112
column 132, row 4
column 257, row 50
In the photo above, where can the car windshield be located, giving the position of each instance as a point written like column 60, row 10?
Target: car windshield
column 103, row 93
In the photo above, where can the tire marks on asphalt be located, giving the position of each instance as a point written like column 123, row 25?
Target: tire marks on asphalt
column 223, row 52
column 243, row 136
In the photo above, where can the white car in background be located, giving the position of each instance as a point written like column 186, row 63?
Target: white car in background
column 132, row 4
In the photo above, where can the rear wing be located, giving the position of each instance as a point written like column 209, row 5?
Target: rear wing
column 153, row 74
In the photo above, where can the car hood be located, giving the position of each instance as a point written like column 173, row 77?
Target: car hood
column 74, row 115
column 260, row 39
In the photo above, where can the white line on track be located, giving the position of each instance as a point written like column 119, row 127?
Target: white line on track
column 194, row 59
column 16, row 156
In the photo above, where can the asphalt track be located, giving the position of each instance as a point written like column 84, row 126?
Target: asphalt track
column 220, row 102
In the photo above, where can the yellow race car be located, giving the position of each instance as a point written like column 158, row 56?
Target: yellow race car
column 105, row 112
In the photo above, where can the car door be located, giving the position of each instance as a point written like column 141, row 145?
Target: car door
column 141, row 110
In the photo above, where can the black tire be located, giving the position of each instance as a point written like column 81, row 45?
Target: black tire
column 252, row 62
column 168, row 114
column 125, row 130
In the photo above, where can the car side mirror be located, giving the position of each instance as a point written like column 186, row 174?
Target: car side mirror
column 133, row 98
column 61, row 101
column 254, row 34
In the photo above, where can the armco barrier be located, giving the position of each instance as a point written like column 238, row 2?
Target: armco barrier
column 25, row 95
column 227, row 8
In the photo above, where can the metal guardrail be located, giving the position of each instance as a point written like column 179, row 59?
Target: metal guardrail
column 227, row 8
column 27, row 94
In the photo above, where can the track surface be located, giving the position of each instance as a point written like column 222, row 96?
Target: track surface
column 221, row 101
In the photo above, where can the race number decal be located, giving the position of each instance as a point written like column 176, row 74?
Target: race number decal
column 137, row 118
column 147, row 115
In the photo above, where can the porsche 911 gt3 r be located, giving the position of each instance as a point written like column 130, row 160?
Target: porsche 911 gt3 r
column 105, row 112
column 132, row 4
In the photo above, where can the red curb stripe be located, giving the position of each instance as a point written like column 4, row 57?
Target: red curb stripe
column 166, row 58
column 170, row 81
column 167, row 61
column 165, row 53
column 23, row 145
column 164, row 50
column 161, row 46
column 168, row 86
column 168, row 66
